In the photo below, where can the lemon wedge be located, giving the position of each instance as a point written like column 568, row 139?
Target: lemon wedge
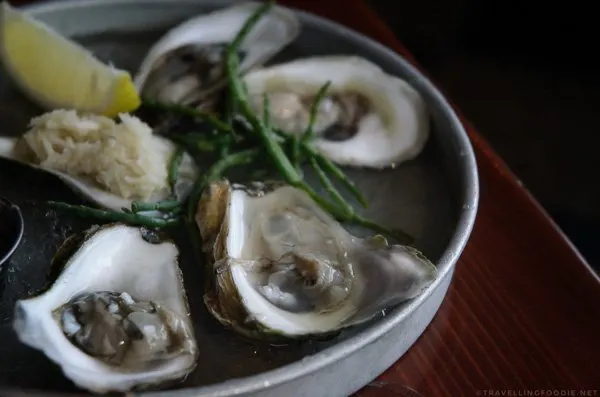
column 57, row 72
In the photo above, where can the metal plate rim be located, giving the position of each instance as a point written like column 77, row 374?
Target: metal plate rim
column 446, row 264
column 18, row 237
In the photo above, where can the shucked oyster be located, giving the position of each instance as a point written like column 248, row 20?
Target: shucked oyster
column 116, row 318
column 367, row 118
column 185, row 65
column 281, row 265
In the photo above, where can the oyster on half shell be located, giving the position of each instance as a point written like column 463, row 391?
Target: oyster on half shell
column 186, row 64
column 116, row 318
column 282, row 267
column 364, row 107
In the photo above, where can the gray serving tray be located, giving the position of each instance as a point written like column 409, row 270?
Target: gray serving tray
column 434, row 197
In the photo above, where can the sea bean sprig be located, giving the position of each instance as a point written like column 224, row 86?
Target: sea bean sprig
column 124, row 216
column 262, row 126
column 237, row 145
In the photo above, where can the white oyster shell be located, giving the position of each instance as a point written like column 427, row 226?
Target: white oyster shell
column 394, row 128
column 58, row 127
column 113, row 258
column 274, row 31
column 281, row 265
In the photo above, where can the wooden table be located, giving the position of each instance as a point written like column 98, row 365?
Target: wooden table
column 522, row 317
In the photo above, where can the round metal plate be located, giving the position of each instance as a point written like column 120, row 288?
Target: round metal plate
column 433, row 197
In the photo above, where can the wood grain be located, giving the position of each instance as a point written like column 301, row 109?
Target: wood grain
column 522, row 316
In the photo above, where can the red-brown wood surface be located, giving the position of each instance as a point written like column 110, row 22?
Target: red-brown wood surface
column 522, row 316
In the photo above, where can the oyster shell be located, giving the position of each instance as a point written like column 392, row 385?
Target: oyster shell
column 282, row 267
column 75, row 138
column 364, row 107
column 185, row 65
column 117, row 317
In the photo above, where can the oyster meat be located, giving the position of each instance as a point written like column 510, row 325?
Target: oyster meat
column 364, row 107
column 282, row 267
column 116, row 318
column 185, row 65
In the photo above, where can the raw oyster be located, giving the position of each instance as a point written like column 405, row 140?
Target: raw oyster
column 282, row 267
column 367, row 118
column 117, row 316
column 185, row 65
column 108, row 162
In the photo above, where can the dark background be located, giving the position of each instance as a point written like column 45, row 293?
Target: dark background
column 525, row 73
